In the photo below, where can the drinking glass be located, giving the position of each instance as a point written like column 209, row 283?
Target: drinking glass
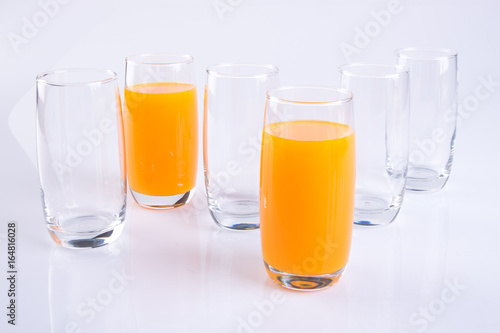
column 434, row 94
column 382, row 113
column 235, row 100
column 307, row 185
column 81, row 156
column 161, row 129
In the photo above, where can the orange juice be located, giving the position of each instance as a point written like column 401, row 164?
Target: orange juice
column 307, row 196
column 161, row 137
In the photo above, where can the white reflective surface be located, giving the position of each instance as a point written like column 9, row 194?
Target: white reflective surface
column 171, row 274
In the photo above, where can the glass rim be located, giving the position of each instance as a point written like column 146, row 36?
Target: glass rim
column 400, row 70
column 184, row 59
column 338, row 101
column 271, row 70
column 43, row 77
column 441, row 53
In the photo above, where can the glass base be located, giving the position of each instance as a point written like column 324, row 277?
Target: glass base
column 162, row 202
column 373, row 211
column 303, row 282
column 236, row 215
column 425, row 179
column 88, row 239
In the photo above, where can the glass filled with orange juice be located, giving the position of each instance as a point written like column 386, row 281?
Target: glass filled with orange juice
column 307, row 185
column 161, row 129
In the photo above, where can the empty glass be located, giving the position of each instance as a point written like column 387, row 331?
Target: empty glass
column 382, row 113
column 234, row 115
column 81, row 156
column 434, row 94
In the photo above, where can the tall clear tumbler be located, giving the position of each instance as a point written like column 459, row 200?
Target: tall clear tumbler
column 81, row 160
column 161, row 129
column 434, row 94
column 307, row 185
column 382, row 113
column 235, row 100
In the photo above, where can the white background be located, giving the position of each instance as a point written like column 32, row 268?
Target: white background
column 182, row 274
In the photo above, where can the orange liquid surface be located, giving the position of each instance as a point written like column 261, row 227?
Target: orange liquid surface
column 307, row 196
column 161, row 137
